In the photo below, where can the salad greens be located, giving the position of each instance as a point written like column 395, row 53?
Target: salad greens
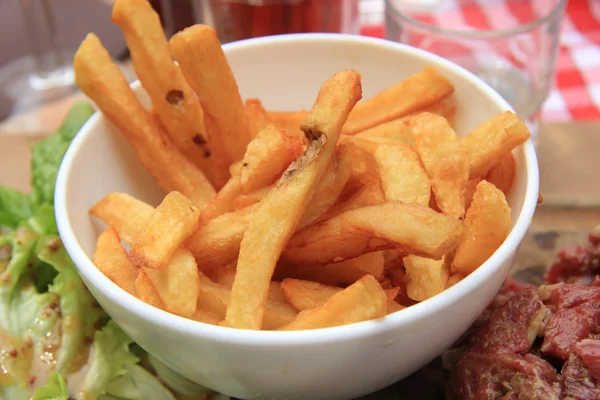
column 56, row 343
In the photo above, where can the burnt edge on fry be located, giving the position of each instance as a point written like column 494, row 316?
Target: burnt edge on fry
column 174, row 97
column 313, row 149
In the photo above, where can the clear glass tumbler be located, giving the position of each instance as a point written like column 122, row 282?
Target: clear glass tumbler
column 243, row 19
column 511, row 44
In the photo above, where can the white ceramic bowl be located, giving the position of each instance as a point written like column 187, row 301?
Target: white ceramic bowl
column 285, row 72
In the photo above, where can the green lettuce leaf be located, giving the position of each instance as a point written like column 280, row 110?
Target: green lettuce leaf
column 54, row 389
column 22, row 242
column 138, row 384
column 79, row 315
column 14, row 207
column 43, row 221
column 110, row 358
column 48, row 153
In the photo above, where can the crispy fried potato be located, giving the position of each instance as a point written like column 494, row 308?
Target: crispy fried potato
column 177, row 284
column 470, row 191
column 102, row 81
column 214, row 298
column 453, row 280
column 173, row 99
column 247, row 199
column 330, row 186
column 369, row 195
column 258, row 117
column 425, row 277
column 363, row 166
column 236, row 168
column 491, row 141
column 342, row 273
column 206, row 317
column 147, row 292
column 289, row 121
column 362, row 301
column 306, row 295
column 502, row 175
column 487, row 224
column 415, row 93
column 279, row 213
column 412, row 228
column 174, row 220
column 267, row 156
column 397, row 131
column 218, row 242
column 223, row 202
column 402, row 176
column 225, row 276
column 444, row 160
column 111, row 259
column 198, row 52
column 125, row 213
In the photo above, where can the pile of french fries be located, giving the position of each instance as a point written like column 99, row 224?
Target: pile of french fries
column 291, row 220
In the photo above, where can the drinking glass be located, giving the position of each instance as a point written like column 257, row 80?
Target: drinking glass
column 242, row 19
column 46, row 74
column 510, row 44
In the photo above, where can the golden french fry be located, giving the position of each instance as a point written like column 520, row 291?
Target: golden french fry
column 393, row 306
column 125, row 213
column 206, row 317
column 214, row 298
column 402, row 176
column 445, row 108
column 236, row 168
column 289, row 121
column 223, row 202
column 174, row 220
column 470, row 191
column 425, row 277
column 225, row 276
column 147, row 292
column 102, row 81
column 412, row 228
column 444, row 160
column 369, row 195
column 247, row 199
column 198, row 52
column 218, row 242
column 330, row 186
column 173, row 99
column 491, row 141
column 453, row 280
column 362, row 301
column 111, row 259
column 267, row 156
column 258, row 117
column 415, row 93
column 502, row 175
column 177, row 284
column 306, row 295
column 487, row 224
column 279, row 213
column 342, row 273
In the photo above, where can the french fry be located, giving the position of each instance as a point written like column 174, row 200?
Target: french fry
column 491, row 141
column 258, row 118
column 223, row 202
column 218, row 242
column 289, row 121
column 236, row 168
column 444, row 160
column 205, row 317
column 362, row 301
column 453, row 280
column 470, row 191
column 267, row 156
column 111, row 259
column 174, row 220
column 412, row 228
column 330, row 186
column 125, row 213
column 147, row 292
column 425, row 277
column 214, row 298
column 415, row 93
column 487, row 224
column 279, row 213
column 198, row 52
column 397, row 131
column 102, row 81
column 247, row 199
column 173, row 99
column 225, row 276
column 177, row 284
column 502, row 175
column 402, row 176
column 342, row 273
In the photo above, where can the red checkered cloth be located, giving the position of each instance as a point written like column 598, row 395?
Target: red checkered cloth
column 576, row 93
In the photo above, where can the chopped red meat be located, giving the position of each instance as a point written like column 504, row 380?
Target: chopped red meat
column 576, row 381
column 589, row 351
column 577, row 264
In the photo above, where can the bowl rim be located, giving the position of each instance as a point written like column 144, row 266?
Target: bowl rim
column 419, row 311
